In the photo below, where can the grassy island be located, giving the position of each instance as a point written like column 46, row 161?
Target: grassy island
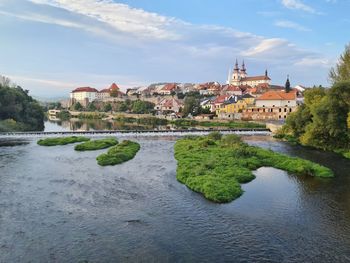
column 62, row 140
column 216, row 165
column 120, row 153
column 96, row 144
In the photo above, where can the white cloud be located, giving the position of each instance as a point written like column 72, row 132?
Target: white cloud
column 292, row 25
column 312, row 62
column 299, row 5
column 120, row 17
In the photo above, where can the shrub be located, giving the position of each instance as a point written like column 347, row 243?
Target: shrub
column 120, row 153
column 96, row 144
column 218, row 170
column 61, row 140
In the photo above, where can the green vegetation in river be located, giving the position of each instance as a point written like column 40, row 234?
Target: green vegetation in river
column 120, row 153
column 96, row 144
column 216, row 165
column 62, row 140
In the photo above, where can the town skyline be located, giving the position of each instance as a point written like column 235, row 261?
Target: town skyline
column 62, row 45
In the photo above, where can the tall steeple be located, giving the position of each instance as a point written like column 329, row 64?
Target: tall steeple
column 287, row 86
column 266, row 75
column 236, row 76
column 243, row 71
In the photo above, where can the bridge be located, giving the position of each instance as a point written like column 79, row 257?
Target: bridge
column 180, row 132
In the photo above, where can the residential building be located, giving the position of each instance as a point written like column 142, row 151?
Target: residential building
column 169, row 105
column 83, row 95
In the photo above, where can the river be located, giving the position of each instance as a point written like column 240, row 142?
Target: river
column 58, row 205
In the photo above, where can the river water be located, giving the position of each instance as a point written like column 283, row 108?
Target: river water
column 58, row 205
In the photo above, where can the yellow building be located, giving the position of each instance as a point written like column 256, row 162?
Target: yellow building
column 233, row 107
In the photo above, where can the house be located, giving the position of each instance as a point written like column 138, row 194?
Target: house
column 169, row 89
column 230, row 108
column 232, row 90
column 169, row 105
column 208, row 104
column 112, row 92
column 219, row 101
column 84, row 95
column 272, row 105
column 279, row 98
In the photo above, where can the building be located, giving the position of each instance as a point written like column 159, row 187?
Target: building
column 169, row 89
column 230, row 108
column 84, row 95
column 239, row 77
column 112, row 92
column 272, row 105
column 169, row 105
column 277, row 99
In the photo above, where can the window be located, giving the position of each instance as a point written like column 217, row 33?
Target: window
column 280, row 110
column 273, row 106
column 285, row 110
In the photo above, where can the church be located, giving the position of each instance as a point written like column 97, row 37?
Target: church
column 239, row 77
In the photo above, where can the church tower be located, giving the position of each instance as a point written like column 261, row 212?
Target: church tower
column 236, row 76
column 243, row 71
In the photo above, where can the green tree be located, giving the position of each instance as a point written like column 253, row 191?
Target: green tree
column 341, row 72
column 78, row 106
column 191, row 106
column 91, row 107
column 114, row 93
column 18, row 110
column 107, row 107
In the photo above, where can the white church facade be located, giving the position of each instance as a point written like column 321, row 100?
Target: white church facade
column 239, row 77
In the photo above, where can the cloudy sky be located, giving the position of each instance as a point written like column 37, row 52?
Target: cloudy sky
column 53, row 46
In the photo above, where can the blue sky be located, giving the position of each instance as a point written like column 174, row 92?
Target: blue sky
column 52, row 46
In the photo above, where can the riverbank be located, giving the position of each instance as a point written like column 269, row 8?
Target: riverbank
column 217, row 165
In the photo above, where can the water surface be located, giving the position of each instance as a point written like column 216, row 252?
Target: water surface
column 58, row 205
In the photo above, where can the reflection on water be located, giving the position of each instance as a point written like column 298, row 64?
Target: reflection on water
column 58, row 205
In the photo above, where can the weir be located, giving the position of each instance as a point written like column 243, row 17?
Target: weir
column 135, row 133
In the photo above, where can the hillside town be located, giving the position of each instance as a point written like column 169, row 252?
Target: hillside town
column 242, row 97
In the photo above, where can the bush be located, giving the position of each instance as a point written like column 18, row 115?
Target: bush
column 96, row 144
column 218, row 170
column 61, row 140
column 120, row 153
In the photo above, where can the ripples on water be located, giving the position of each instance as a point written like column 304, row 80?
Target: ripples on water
column 58, row 205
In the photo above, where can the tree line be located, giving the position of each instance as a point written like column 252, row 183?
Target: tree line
column 18, row 110
column 323, row 121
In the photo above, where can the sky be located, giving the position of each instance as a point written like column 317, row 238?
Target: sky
column 51, row 47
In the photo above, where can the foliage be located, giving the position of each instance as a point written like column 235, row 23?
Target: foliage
column 322, row 122
column 61, row 140
column 96, row 144
column 18, row 110
column 191, row 106
column 91, row 115
column 64, row 115
column 142, row 107
column 91, row 107
column 341, row 72
column 120, row 153
column 216, row 166
column 77, row 106
column 107, row 107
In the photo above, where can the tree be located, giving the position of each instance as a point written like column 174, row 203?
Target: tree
column 191, row 106
column 18, row 110
column 287, row 86
column 78, row 106
column 91, row 107
column 341, row 72
column 107, row 107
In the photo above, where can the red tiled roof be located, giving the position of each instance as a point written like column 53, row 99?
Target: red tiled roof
column 169, row 86
column 84, row 89
column 221, row 99
column 114, row 86
column 233, row 88
column 278, row 95
column 255, row 78
column 104, row 91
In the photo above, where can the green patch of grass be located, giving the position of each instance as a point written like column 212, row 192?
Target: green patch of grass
column 96, row 144
column 216, row 166
column 120, row 153
column 62, row 140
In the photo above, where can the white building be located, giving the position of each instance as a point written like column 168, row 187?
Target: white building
column 84, row 94
column 240, row 77
column 273, row 99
